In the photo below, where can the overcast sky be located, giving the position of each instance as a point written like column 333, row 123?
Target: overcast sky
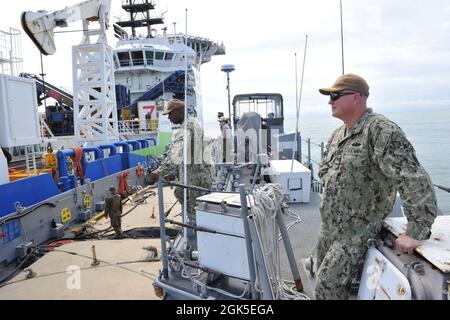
column 401, row 48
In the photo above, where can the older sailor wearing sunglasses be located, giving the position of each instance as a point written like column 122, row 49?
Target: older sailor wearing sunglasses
column 367, row 160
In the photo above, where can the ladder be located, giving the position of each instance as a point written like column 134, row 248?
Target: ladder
column 30, row 161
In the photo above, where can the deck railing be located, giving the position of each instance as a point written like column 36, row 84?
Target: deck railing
column 128, row 126
column 312, row 164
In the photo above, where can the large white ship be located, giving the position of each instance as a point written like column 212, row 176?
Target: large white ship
column 152, row 66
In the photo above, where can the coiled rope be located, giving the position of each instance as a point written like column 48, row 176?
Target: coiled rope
column 267, row 203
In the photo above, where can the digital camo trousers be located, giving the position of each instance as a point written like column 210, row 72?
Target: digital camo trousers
column 191, row 201
column 338, row 265
column 116, row 223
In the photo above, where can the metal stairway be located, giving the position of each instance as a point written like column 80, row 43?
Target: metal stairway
column 173, row 83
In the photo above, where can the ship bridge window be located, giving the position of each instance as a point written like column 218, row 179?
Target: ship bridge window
column 17, row 152
column 169, row 56
column 124, row 58
column 149, row 55
column 137, row 58
column 159, row 55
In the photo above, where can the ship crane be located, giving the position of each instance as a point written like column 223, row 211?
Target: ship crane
column 40, row 25
column 95, row 111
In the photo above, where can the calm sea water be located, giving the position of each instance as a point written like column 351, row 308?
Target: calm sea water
column 428, row 129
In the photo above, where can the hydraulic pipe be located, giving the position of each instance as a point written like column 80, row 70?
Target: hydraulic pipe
column 162, row 228
column 289, row 252
column 248, row 241
column 260, row 260
column 417, row 287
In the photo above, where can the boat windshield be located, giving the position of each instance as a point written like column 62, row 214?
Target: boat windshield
column 267, row 106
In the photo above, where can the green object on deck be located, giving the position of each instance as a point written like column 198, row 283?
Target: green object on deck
column 156, row 151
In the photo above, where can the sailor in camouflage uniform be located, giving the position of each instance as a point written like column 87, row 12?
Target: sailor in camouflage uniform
column 113, row 210
column 199, row 165
column 366, row 162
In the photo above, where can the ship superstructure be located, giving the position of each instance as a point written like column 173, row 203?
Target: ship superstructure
column 152, row 66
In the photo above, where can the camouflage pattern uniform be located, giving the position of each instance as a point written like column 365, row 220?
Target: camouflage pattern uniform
column 361, row 172
column 113, row 209
column 199, row 167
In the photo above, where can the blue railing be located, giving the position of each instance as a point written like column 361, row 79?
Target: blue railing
column 33, row 190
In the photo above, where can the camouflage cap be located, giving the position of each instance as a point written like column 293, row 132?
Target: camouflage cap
column 173, row 105
column 349, row 81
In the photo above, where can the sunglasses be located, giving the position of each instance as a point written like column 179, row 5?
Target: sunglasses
column 334, row 96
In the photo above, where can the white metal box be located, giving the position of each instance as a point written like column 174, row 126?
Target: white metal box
column 19, row 115
column 225, row 251
column 381, row 280
column 4, row 176
column 296, row 186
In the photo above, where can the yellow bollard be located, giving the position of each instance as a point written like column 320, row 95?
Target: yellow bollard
column 94, row 257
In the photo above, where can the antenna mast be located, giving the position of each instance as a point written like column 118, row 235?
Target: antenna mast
column 185, row 138
column 298, row 101
column 342, row 39
column 139, row 12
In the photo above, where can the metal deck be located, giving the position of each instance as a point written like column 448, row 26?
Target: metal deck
column 124, row 272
